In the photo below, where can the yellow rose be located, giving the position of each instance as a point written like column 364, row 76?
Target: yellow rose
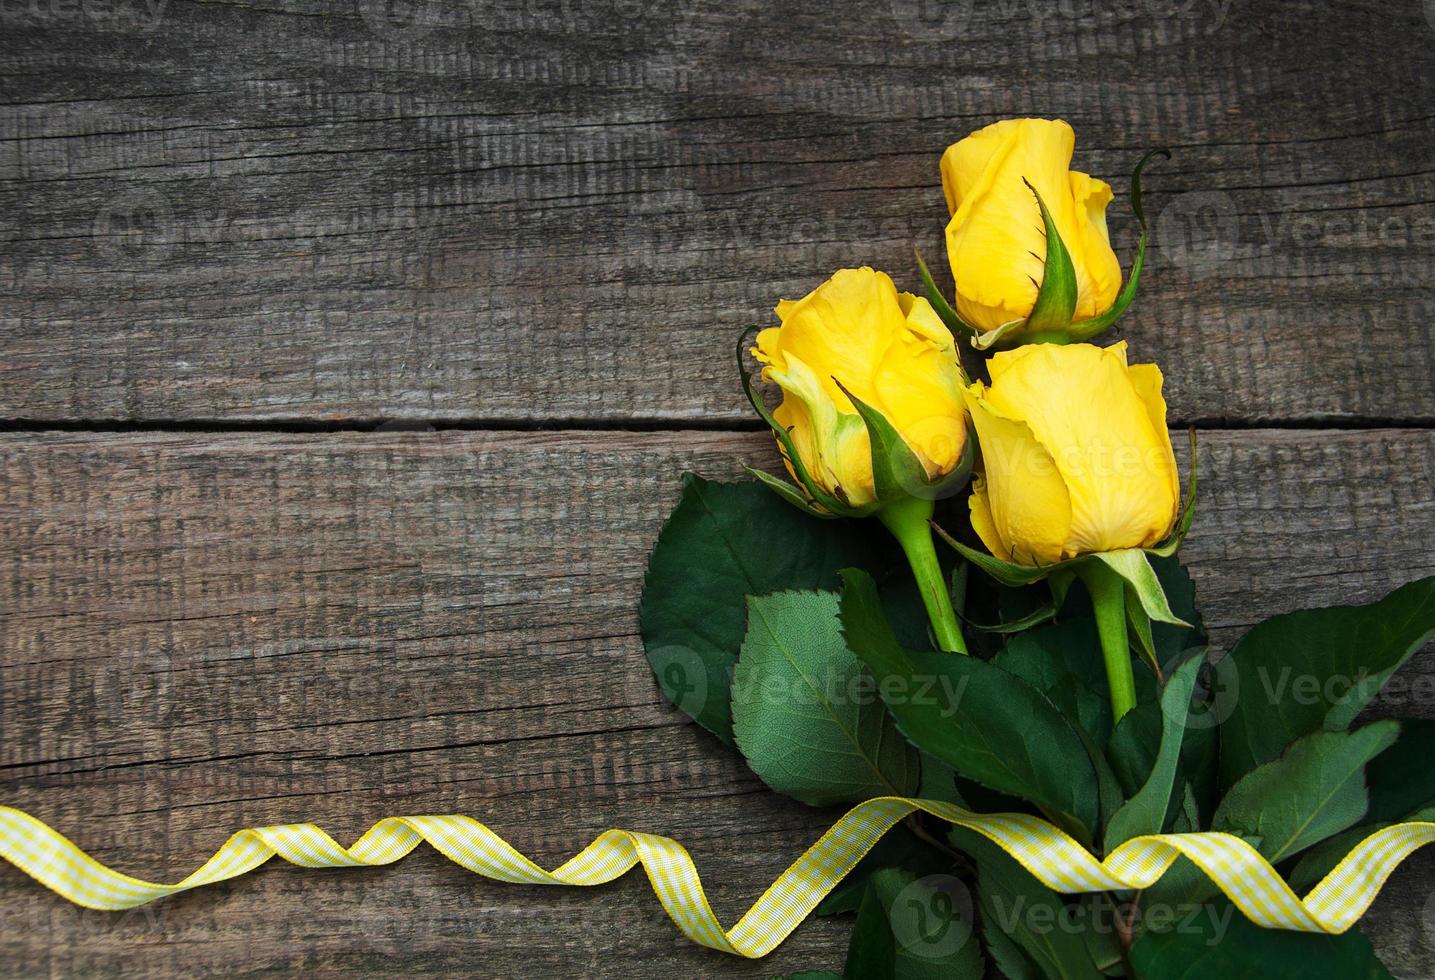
column 888, row 349
column 1076, row 456
column 996, row 240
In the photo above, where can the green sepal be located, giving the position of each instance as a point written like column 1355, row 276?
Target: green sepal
column 1038, row 616
column 1057, row 294
column 896, row 470
column 1135, row 568
column 1060, row 583
column 789, row 451
column 1169, row 547
column 1050, row 317
column 994, row 338
column 1013, row 575
column 1008, row 573
column 1130, row 563
column 945, row 310
column 1005, row 572
column 1087, row 329
column 1145, row 599
column 957, row 586
column 789, row 493
column 1140, row 625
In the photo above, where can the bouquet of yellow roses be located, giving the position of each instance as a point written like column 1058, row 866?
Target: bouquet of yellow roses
column 1008, row 665
column 1004, row 675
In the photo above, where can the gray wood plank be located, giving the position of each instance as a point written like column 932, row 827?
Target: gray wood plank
column 504, row 211
column 203, row 632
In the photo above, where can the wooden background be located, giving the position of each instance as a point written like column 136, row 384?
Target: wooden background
column 350, row 354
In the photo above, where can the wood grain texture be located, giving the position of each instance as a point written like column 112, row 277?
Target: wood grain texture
column 203, row 632
column 535, row 213
column 528, row 210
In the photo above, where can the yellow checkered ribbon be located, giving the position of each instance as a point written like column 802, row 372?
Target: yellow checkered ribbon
column 1061, row 863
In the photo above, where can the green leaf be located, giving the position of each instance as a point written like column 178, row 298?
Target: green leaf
column 939, row 782
column 905, row 609
column 1021, row 915
column 1145, row 813
column 1315, row 670
column 911, row 928
column 801, row 713
column 723, row 542
column 1401, row 785
column 1188, row 817
column 989, row 725
column 1224, row 943
column 1063, row 662
column 1134, row 743
column 1200, row 756
column 1086, row 707
column 1009, row 959
column 1171, row 641
column 1314, row 790
column 1102, row 943
column 1402, row 779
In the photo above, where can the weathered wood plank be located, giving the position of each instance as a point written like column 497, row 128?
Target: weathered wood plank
column 554, row 209
column 203, row 632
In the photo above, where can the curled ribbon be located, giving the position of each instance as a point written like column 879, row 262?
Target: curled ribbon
column 1332, row 906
